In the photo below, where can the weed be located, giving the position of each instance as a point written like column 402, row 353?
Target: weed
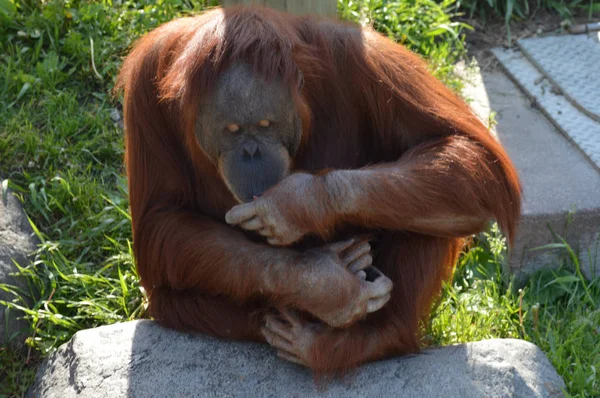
column 558, row 310
column 61, row 149
column 425, row 26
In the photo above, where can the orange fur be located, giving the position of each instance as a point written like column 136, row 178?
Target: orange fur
column 367, row 104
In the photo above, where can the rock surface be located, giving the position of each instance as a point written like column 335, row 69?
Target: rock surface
column 16, row 243
column 142, row 359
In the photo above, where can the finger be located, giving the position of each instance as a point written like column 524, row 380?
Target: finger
column 340, row 246
column 266, row 231
column 275, row 340
column 291, row 316
column 290, row 358
column 362, row 275
column 379, row 287
column 279, row 328
column 361, row 263
column 240, row 213
column 364, row 238
column 275, row 241
column 252, row 224
column 356, row 251
column 374, row 273
column 378, row 303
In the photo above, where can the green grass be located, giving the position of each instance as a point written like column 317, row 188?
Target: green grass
column 61, row 150
column 524, row 9
column 558, row 310
column 425, row 26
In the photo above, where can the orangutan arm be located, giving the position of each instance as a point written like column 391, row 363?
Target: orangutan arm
column 447, row 187
column 184, row 251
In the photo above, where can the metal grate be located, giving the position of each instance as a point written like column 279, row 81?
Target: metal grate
column 581, row 129
column 572, row 63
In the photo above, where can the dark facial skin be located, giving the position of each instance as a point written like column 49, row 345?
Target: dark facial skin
column 250, row 129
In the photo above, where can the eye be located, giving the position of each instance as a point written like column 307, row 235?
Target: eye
column 264, row 123
column 233, row 127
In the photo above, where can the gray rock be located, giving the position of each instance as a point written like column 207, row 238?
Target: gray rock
column 142, row 359
column 16, row 243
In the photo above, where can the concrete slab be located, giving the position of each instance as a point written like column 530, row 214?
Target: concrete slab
column 572, row 63
column 574, row 124
column 557, row 179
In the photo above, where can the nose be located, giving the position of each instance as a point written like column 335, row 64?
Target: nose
column 250, row 147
